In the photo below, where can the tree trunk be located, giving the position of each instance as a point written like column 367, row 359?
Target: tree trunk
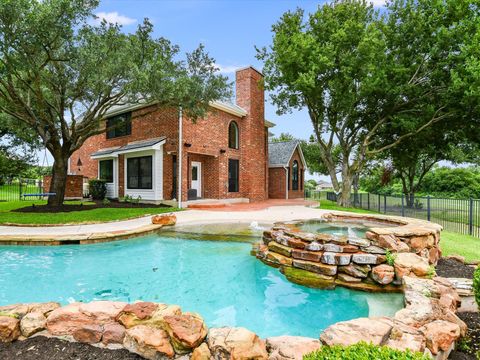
column 59, row 178
column 344, row 198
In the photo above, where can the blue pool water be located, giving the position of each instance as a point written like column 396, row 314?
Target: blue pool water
column 219, row 280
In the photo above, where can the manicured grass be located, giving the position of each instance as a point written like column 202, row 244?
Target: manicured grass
column 74, row 217
column 464, row 245
column 451, row 243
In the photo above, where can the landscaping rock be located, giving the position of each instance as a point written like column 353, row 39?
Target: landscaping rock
column 186, row 331
column 277, row 259
column 103, row 311
column 440, row 335
column 457, row 258
column 374, row 330
column 332, row 248
column 149, row 342
column 290, row 347
column 390, row 242
column 67, row 319
column 365, row 259
column 336, row 258
column 306, row 255
column 32, row 323
column 113, row 333
column 372, row 249
column 146, row 313
column 348, row 278
column 315, row 267
column 383, row 274
column 201, row 353
column 355, row 270
column 403, row 337
column 308, row 278
column 314, row 246
column 296, row 243
column 359, row 242
column 164, row 219
column 88, row 334
column 16, row 310
column 279, row 248
column 407, row 263
column 9, row 328
column 236, row 344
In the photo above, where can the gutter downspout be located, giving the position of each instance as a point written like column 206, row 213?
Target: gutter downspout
column 180, row 156
column 286, row 182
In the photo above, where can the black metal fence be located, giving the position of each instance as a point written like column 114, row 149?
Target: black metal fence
column 15, row 189
column 456, row 215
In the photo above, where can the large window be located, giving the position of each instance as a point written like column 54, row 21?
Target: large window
column 295, row 175
column 106, row 170
column 119, row 125
column 139, row 172
column 233, row 135
column 233, row 175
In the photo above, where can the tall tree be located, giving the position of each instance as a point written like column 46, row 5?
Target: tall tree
column 358, row 73
column 60, row 74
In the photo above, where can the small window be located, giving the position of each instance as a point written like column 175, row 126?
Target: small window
column 233, row 175
column 119, row 125
column 233, row 135
column 295, row 175
column 106, row 170
column 139, row 172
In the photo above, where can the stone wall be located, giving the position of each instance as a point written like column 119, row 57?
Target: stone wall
column 427, row 324
column 375, row 263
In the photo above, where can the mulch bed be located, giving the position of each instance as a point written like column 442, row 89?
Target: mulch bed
column 42, row 348
column 66, row 207
column 470, row 345
column 454, row 269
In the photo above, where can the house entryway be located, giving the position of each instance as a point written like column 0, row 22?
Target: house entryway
column 196, row 178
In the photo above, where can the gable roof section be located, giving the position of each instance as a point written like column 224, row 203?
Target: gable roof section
column 280, row 153
column 130, row 147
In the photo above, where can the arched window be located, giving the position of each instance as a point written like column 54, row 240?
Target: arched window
column 233, row 135
column 295, row 175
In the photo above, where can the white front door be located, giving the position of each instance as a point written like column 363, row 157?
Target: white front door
column 196, row 176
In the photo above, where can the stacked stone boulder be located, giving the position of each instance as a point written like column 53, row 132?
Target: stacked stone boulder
column 377, row 262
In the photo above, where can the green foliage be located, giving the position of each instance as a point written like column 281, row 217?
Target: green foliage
column 390, row 257
column 97, row 189
column 362, row 351
column 431, row 272
column 310, row 184
column 476, row 285
column 105, row 201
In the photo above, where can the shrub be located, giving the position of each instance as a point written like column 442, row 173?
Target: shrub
column 390, row 257
column 476, row 285
column 97, row 189
column 362, row 351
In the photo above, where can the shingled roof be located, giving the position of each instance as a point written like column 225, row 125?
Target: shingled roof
column 280, row 153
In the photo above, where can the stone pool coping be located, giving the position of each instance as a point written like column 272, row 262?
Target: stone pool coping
column 119, row 230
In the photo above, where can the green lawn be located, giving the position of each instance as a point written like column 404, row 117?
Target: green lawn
column 74, row 217
column 451, row 243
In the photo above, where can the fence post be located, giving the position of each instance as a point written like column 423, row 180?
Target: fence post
column 385, row 203
column 379, row 203
column 403, row 204
column 368, row 201
column 470, row 217
column 428, row 208
column 20, row 188
column 361, row 202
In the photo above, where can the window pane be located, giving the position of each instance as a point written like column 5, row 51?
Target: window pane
column 295, row 175
column 132, row 173
column 119, row 125
column 146, row 172
column 106, row 170
column 233, row 135
column 194, row 173
column 139, row 173
column 233, row 175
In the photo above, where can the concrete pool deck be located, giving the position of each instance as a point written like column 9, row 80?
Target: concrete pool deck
column 118, row 230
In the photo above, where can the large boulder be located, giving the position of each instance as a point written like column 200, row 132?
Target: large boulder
column 149, row 342
column 113, row 333
column 374, row 330
column 355, row 270
column 67, row 319
column 164, row 219
column 383, row 274
column 186, row 331
column 201, row 352
column 32, row 323
column 103, row 311
column 290, row 347
column 408, row 263
column 315, row 267
column 440, row 335
column 236, row 344
column 146, row 313
column 9, row 328
column 404, row 337
column 88, row 334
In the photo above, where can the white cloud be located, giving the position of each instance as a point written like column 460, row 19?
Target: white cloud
column 378, row 3
column 115, row 18
column 228, row 69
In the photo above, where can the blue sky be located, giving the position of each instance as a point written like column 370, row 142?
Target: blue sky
column 229, row 29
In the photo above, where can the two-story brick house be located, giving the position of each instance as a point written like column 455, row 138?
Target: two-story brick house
column 161, row 155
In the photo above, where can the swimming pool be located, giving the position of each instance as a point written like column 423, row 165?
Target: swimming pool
column 217, row 279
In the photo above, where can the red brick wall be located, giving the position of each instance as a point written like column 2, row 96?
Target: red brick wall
column 276, row 183
column 74, row 188
column 295, row 194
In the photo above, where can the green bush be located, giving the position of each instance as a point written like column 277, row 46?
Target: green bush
column 476, row 285
column 362, row 351
column 97, row 189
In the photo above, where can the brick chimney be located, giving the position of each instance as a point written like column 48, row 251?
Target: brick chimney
column 250, row 95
